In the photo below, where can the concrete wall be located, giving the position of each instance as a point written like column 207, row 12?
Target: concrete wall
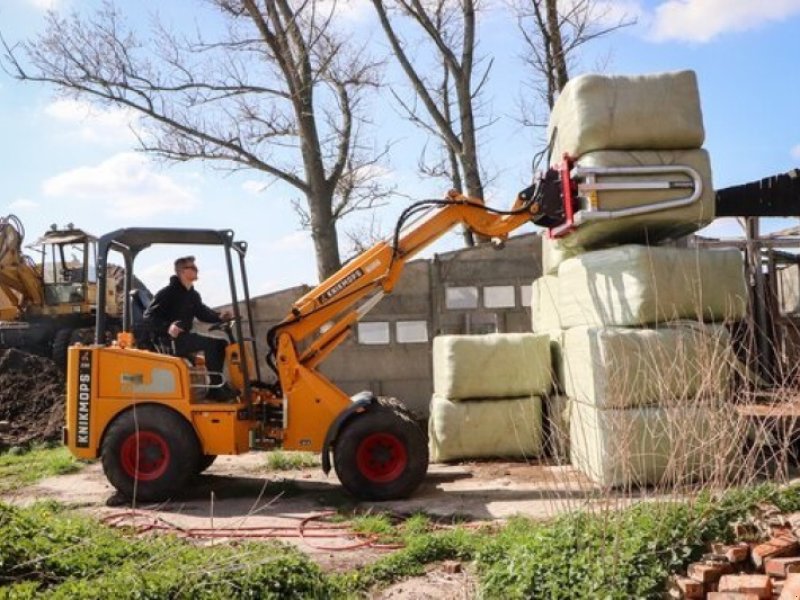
column 424, row 294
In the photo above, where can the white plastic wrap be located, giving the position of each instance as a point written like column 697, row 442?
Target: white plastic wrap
column 625, row 368
column 658, row 111
column 632, row 285
column 650, row 446
column 544, row 304
column 510, row 427
column 497, row 365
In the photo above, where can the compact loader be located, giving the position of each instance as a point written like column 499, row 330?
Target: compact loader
column 144, row 411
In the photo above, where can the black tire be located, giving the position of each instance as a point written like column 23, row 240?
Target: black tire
column 61, row 341
column 149, row 453
column 381, row 454
column 206, row 460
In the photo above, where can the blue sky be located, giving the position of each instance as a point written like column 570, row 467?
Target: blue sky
column 62, row 162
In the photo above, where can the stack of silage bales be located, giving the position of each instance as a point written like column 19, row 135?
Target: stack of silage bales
column 637, row 343
column 487, row 399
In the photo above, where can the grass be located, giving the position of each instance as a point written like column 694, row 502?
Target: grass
column 46, row 550
column 27, row 466
column 284, row 460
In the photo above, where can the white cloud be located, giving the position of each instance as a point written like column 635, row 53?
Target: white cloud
column 125, row 185
column 22, row 204
column 796, row 152
column 92, row 124
column 254, row 187
column 702, row 20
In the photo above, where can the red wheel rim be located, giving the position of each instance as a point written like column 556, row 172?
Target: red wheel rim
column 381, row 457
column 145, row 455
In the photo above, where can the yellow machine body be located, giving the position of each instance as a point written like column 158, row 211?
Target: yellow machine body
column 103, row 382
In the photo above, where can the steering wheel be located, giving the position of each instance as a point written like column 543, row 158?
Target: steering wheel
column 226, row 326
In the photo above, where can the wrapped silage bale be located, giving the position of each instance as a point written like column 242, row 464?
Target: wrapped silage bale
column 544, row 304
column 558, row 413
column 654, row 445
column 509, row 427
column 789, row 286
column 497, row 365
column 633, row 285
column 557, row 357
column 554, row 253
column 649, row 228
column 598, row 112
column 615, row 367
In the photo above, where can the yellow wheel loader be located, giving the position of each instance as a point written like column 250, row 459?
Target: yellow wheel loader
column 145, row 411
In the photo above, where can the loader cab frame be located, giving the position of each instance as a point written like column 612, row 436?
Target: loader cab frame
column 130, row 242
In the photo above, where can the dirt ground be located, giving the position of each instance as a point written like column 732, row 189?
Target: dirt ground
column 239, row 497
column 31, row 399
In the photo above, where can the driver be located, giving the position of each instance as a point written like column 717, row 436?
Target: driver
column 172, row 312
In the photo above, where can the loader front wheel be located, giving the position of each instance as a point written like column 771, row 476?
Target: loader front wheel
column 149, row 453
column 381, row 454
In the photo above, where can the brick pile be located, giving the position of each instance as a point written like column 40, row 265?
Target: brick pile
column 767, row 569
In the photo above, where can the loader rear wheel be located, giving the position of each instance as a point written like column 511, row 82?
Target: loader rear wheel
column 381, row 454
column 149, row 453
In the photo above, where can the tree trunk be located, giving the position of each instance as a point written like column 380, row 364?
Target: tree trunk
column 325, row 236
column 557, row 46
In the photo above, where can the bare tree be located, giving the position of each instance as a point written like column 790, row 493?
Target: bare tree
column 279, row 91
column 554, row 33
column 449, row 100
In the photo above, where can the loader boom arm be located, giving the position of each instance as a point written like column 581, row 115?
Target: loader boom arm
column 375, row 272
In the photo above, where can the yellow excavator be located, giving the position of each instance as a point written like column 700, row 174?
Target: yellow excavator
column 145, row 411
column 50, row 303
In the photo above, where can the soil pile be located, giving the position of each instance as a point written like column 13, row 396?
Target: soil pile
column 31, row 398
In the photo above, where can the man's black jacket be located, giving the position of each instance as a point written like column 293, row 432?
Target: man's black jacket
column 175, row 303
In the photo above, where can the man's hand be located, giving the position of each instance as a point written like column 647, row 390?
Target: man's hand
column 174, row 331
column 225, row 315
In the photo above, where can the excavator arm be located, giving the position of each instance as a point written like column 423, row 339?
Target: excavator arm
column 20, row 281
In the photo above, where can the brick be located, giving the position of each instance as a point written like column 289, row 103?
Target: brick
column 738, row 552
column 780, row 567
column 791, row 587
column 688, row 589
column 782, row 545
column 760, row 585
column 708, row 572
column 731, row 596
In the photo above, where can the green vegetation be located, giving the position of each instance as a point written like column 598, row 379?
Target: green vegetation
column 622, row 554
column 284, row 460
column 25, row 466
column 46, row 551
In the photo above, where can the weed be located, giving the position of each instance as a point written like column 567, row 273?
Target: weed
column 45, row 550
column 284, row 460
column 28, row 466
